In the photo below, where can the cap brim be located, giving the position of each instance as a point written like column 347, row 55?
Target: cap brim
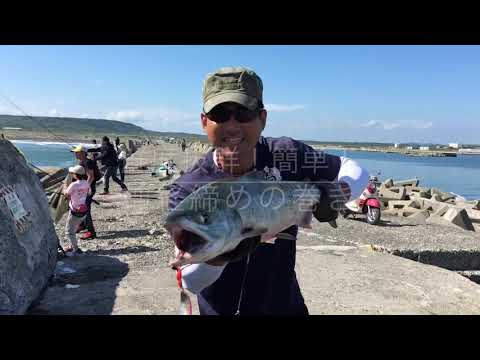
column 236, row 97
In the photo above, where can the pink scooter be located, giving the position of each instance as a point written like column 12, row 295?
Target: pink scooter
column 367, row 203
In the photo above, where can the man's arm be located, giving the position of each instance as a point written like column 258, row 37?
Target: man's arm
column 67, row 190
column 337, row 174
column 90, row 176
column 354, row 176
column 102, row 155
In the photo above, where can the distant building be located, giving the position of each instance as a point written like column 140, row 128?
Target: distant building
column 453, row 145
column 11, row 128
column 409, row 147
column 396, row 146
column 424, row 147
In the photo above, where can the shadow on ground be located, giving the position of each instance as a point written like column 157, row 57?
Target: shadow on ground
column 84, row 285
column 122, row 251
column 384, row 223
column 107, row 235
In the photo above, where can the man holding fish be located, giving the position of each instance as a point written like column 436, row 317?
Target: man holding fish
column 235, row 214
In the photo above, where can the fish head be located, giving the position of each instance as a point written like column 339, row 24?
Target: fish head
column 203, row 233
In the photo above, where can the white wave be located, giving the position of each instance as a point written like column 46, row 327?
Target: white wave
column 49, row 143
column 458, row 196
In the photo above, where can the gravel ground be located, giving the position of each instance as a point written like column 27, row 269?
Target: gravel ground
column 125, row 268
column 129, row 225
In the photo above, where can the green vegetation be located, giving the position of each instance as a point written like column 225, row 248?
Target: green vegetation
column 69, row 125
column 87, row 128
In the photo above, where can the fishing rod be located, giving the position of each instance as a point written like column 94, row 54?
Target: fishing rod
column 36, row 120
column 5, row 98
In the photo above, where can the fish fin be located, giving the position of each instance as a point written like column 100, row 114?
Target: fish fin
column 252, row 232
column 185, row 304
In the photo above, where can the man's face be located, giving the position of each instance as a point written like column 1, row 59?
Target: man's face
column 81, row 155
column 233, row 128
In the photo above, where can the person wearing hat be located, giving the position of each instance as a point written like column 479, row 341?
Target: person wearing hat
column 109, row 158
column 77, row 193
column 93, row 175
column 233, row 119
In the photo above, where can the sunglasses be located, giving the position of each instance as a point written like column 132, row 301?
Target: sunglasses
column 221, row 114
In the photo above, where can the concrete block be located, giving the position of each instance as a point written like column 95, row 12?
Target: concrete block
column 392, row 212
column 416, row 204
column 387, row 183
column 425, row 194
column 419, row 188
column 471, row 204
column 408, row 211
column 392, row 193
column 447, row 197
column 476, row 205
column 399, row 204
column 422, row 192
column 409, row 182
column 418, row 218
column 440, row 210
column 459, row 217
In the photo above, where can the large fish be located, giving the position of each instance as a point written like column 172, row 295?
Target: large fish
column 214, row 219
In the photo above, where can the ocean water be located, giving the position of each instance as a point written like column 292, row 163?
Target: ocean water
column 460, row 175
column 47, row 153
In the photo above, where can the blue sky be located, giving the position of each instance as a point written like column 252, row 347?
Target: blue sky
column 341, row 93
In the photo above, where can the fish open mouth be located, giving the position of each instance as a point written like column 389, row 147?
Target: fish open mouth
column 185, row 240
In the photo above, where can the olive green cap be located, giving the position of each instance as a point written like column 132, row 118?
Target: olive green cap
column 233, row 84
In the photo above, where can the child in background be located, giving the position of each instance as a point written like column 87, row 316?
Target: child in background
column 122, row 160
column 77, row 193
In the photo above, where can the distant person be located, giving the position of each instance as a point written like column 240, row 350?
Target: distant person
column 77, row 192
column 117, row 143
column 184, row 144
column 93, row 175
column 109, row 158
column 122, row 161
